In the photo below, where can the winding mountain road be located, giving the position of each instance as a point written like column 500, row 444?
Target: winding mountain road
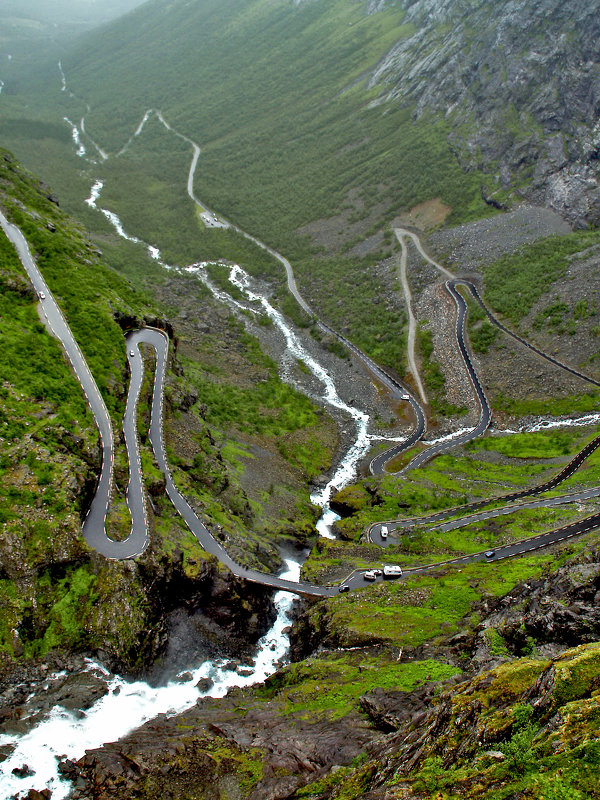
column 485, row 412
column 95, row 521
column 159, row 341
column 94, row 525
column 379, row 465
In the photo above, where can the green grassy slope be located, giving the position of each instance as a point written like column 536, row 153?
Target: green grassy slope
column 277, row 96
column 54, row 591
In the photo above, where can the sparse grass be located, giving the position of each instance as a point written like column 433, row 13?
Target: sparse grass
column 330, row 686
column 515, row 282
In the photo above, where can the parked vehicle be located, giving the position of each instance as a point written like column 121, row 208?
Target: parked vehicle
column 392, row 571
column 370, row 575
column 384, row 531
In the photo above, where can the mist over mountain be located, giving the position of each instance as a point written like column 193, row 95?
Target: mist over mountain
column 30, row 30
column 514, row 85
column 58, row 12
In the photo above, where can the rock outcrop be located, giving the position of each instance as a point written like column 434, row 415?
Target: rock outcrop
column 519, row 85
column 230, row 748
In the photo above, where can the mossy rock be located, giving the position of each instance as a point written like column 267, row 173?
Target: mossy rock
column 577, row 673
column 351, row 500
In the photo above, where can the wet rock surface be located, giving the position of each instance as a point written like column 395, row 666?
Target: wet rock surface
column 169, row 754
column 71, row 682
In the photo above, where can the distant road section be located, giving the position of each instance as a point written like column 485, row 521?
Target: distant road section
column 94, row 526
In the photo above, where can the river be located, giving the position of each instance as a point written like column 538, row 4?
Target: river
column 130, row 704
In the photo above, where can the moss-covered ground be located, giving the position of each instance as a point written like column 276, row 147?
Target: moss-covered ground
column 422, row 607
column 486, row 468
column 330, row 685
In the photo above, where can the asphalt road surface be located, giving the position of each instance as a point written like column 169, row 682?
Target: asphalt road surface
column 94, row 526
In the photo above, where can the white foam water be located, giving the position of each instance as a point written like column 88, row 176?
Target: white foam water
column 115, row 221
column 81, row 151
column 449, row 437
column 547, row 424
column 129, row 705
column 63, row 80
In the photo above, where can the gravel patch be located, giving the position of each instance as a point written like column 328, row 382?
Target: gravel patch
column 469, row 247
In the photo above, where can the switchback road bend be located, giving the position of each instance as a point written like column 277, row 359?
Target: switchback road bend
column 94, row 526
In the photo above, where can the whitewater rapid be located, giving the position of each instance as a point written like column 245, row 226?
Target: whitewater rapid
column 347, row 467
column 130, row 704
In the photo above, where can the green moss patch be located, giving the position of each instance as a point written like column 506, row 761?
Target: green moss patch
column 331, row 685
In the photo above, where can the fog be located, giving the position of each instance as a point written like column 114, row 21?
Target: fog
column 79, row 12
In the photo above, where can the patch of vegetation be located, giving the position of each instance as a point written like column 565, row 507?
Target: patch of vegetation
column 331, row 685
column 435, row 381
column 515, row 282
column 548, row 406
column 544, row 444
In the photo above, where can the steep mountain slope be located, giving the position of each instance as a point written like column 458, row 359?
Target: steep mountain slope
column 277, row 98
column 58, row 594
column 519, row 83
column 495, row 711
column 345, row 94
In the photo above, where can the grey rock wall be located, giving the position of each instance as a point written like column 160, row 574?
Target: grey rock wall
column 519, row 83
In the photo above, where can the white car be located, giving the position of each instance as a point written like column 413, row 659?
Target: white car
column 392, row 571
column 41, row 295
column 384, row 531
column 370, row 575
column 132, row 353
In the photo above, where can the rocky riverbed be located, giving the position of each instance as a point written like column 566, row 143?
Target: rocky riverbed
column 250, row 745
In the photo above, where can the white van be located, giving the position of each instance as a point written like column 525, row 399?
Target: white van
column 384, row 531
column 392, row 571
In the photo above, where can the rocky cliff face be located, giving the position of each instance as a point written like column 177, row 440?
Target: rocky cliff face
column 519, row 83
column 523, row 712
